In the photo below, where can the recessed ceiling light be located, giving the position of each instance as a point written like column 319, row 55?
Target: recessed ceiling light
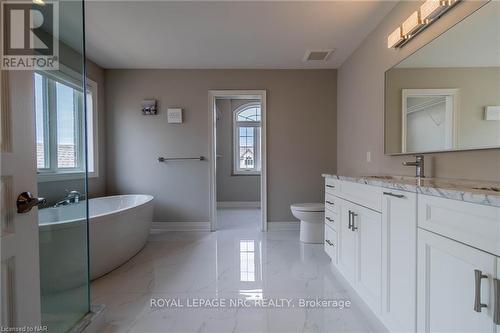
column 318, row 55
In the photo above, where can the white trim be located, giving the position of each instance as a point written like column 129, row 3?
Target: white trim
column 236, row 140
column 452, row 112
column 180, row 226
column 238, row 204
column 237, row 94
column 72, row 78
column 284, row 226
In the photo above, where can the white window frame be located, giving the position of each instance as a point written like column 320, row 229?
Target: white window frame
column 71, row 78
column 257, row 125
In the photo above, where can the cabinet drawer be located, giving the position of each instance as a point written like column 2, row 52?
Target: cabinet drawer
column 331, row 203
column 332, row 219
column 331, row 243
column 364, row 195
column 472, row 224
column 331, row 185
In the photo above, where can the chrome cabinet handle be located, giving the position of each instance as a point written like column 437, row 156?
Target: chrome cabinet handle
column 353, row 227
column 349, row 226
column 330, row 186
column 26, row 201
column 327, row 241
column 496, row 298
column 400, row 196
column 478, row 276
column 329, row 219
column 330, row 203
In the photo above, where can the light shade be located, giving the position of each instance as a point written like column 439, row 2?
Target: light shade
column 395, row 38
column 430, row 9
column 411, row 24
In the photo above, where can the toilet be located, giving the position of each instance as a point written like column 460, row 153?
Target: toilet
column 312, row 221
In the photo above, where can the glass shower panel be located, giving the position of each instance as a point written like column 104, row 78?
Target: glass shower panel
column 61, row 137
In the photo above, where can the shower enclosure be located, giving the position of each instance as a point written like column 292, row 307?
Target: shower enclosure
column 62, row 143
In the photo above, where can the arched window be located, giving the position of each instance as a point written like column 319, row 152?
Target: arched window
column 246, row 139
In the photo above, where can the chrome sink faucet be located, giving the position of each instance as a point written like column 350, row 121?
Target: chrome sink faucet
column 419, row 164
column 72, row 197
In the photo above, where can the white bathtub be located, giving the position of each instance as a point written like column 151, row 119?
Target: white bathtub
column 118, row 229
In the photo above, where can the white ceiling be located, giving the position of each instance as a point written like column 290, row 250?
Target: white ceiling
column 474, row 42
column 228, row 34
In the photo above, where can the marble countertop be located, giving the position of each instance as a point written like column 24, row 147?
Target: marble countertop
column 480, row 192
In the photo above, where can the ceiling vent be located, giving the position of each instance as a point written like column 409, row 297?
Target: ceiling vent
column 318, row 55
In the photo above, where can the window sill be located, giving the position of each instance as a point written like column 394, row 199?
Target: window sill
column 250, row 173
column 63, row 176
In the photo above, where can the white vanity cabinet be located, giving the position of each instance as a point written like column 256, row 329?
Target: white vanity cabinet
column 358, row 231
column 399, row 257
column 376, row 247
column 367, row 225
column 347, row 242
column 421, row 263
column 447, row 286
column 458, row 248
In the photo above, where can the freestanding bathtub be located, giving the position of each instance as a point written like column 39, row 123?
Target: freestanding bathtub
column 118, row 229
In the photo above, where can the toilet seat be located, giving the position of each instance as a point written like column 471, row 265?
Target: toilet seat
column 308, row 207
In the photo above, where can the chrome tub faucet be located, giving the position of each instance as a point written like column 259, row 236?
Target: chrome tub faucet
column 72, row 197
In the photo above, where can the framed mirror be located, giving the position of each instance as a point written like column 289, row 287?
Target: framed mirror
column 446, row 95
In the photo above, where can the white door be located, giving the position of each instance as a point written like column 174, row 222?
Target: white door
column 367, row 224
column 447, row 286
column 347, row 243
column 399, row 260
column 20, row 280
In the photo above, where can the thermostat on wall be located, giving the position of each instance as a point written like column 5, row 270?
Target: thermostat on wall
column 174, row 115
column 492, row 113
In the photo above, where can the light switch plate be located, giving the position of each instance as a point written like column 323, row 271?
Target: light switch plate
column 174, row 115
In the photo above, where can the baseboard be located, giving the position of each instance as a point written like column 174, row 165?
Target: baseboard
column 283, row 226
column 238, row 204
column 180, row 226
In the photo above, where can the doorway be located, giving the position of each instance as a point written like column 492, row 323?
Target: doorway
column 238, row 160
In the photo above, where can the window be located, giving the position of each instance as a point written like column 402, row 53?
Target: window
column 60, row 126
column 246, row 139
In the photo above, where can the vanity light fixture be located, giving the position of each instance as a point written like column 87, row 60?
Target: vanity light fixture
column 428, row 12
column 395, row 38
column 431, row 9
column 411, row 24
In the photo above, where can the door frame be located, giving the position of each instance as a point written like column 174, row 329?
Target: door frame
column 212, row 122
column 452, row 112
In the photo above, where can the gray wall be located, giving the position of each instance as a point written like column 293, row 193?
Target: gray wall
column 55, row 190
column 361, row 104
column 231, row 187
column 301, row 133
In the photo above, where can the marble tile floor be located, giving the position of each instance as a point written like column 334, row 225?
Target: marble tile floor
column 236, row 263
